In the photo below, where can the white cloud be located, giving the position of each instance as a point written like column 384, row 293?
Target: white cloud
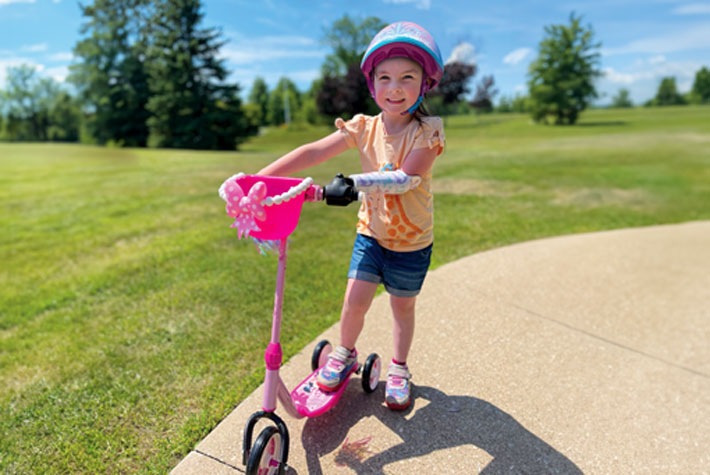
column 657, row 59
column 263, row 55
column 642, row 78
column 419, row 4
column 59, row 74
column 687, row 39
column 463, row 53
column 516, row 56
column 61, row 57
column 242, row 50
column 684, row 71
column 38, row 48
column 692, row 9
column 619, row 78
column 7, row 2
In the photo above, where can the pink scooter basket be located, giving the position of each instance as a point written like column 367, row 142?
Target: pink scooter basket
column 264, row 207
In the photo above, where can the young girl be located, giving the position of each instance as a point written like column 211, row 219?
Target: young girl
column 395, row 226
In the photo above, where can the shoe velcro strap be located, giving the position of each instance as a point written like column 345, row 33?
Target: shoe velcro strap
column 341, row 354
column 400, row 371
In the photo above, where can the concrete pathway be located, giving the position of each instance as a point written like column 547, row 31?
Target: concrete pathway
column 586, row 353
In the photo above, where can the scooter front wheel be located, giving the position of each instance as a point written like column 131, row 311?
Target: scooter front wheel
column 320, row 354
column 265, row 456
column 371, row 373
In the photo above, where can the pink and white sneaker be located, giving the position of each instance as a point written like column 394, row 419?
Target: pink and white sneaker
column 398, row 389
column 341, row 363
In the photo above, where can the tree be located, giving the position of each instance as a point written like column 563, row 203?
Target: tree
column 701, row 86
column 345, row 96
column 622, row 99
column 259, row 97
column 309, row 106
column 64, row 118
column 191, row 106
column 561, row 79
column 343, row 89
column 283, row 103
column 518, row 103
column 483, row 100
column 26, row 101
column 349, row 39
column 34, row 107
column 667, row 94
column 453, row 85
column 111, row 78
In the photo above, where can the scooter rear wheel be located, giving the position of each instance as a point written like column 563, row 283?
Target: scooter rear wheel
column 264, row 458
column 320, row 354
column 371, row 373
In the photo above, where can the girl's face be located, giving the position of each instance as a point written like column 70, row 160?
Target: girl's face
column 398, row 82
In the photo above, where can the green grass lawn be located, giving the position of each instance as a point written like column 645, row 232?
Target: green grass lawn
column 132, row 320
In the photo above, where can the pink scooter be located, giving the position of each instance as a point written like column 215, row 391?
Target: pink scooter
column 268, row 209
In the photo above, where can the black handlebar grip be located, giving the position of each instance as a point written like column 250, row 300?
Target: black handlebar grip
column 340, row 191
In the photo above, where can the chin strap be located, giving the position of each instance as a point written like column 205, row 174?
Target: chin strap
column 414, row 107
column 393, row 183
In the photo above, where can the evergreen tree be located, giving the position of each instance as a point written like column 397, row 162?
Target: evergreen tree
column 111, row 78
column 561, row 79
column 190, row 103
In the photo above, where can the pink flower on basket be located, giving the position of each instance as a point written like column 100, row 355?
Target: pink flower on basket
column 245, row 209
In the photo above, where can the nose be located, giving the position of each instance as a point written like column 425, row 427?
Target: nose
column 395, row 86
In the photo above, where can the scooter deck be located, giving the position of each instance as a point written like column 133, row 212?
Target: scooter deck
column 311, row 401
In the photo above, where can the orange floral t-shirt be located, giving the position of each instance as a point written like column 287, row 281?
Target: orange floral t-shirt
column 402, row 222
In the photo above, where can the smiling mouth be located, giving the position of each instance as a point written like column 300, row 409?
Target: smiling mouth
column 395, row 102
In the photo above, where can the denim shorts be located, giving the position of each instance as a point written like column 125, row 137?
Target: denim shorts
column 402, row 273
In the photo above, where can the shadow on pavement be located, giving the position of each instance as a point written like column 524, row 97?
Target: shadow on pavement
column 436, row 421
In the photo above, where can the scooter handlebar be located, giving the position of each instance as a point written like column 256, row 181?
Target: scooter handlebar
column 341, row 191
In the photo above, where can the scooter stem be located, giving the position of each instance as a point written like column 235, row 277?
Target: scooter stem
column 278, row 299
column 274, row 355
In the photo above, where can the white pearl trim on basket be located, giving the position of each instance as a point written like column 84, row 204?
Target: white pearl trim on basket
column 272, row 200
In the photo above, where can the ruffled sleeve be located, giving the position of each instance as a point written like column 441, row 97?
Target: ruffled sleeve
column 430, row 135
column 352, row 129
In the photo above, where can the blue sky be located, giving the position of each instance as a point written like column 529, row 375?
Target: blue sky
column 642, row 40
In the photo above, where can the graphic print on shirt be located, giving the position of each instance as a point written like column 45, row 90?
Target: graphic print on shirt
column 400, row 230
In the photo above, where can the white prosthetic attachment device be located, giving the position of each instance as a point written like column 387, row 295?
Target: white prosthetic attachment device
column 392, row 183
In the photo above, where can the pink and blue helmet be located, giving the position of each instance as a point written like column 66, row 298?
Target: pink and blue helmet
column 404, row 40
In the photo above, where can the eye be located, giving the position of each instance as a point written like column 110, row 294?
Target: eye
column 384, row 77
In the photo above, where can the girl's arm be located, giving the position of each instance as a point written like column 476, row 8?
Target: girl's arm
column 307, row 156
column 419, row 162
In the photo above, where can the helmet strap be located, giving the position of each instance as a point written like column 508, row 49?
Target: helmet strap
column 414, row 107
